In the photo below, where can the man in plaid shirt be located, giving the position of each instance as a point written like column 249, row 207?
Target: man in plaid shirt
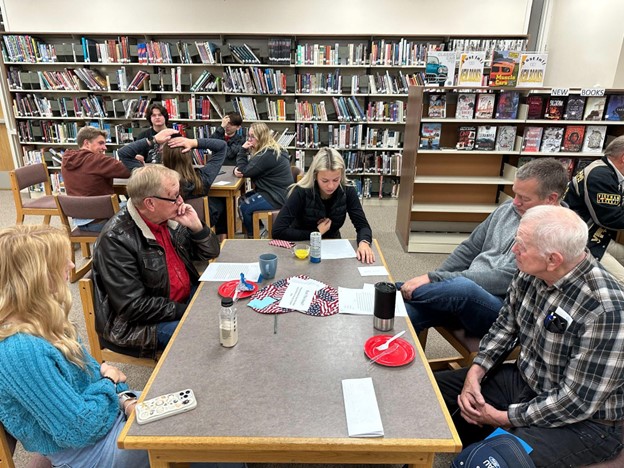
column 565, row 394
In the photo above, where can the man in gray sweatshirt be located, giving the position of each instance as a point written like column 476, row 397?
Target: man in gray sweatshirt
column 468, row 290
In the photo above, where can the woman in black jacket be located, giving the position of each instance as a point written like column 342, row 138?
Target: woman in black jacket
column 320, row 201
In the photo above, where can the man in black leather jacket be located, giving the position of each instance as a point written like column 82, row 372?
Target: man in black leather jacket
column 142, row 268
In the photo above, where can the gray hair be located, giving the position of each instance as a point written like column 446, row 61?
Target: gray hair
column 557, row 229
column 148, row 180
column 615, row 148
column 550, row 174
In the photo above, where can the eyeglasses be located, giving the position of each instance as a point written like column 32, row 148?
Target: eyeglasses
column 171, row 200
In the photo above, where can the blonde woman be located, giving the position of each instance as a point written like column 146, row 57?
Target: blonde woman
column 267, row 164
column 320, row 201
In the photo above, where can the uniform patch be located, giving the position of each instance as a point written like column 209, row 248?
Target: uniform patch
column 608, row 198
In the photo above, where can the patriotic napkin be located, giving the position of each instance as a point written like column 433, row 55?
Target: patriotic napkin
column 282, row 243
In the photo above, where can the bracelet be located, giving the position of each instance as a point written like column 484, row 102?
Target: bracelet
column 109, row 378
column 364, row 240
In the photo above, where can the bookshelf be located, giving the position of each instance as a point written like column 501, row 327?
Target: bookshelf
column 453, row 190
column 348, row 92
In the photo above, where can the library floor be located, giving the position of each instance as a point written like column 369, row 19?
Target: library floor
column 381, row 215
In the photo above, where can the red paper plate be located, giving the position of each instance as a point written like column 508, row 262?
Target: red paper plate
column 403, row 352
column 228, row 288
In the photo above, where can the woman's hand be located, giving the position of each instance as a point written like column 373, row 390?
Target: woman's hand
column 111, row 372
column 323, row 225
column 187, row 144
column 237, row 173
column 129, row 406
column 248, row 145
column 365, row 253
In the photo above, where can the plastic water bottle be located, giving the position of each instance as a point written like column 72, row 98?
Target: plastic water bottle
column 315, row 247
column 228, row 324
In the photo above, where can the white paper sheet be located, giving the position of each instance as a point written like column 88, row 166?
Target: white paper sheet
column 332, row 249
column 373, row 271
column 361, row 409
column 362, row 301
column 230, row 271
column 298, row 295
column 221, row 182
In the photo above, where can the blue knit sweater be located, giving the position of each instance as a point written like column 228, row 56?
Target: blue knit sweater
column 48, row 403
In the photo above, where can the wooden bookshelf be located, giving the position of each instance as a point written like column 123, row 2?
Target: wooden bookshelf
column 446, row 192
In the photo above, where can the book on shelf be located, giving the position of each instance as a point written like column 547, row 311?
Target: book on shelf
column 532, row 70
column 279, row 50
column 582, row 163
column 531, row 139
column 506, row 138
column 465, row 105
column 551, row 139
column 573, row 138
column 554, row 108
column 522, row 160
column 437, row 106
column 504, row 68
column 208, row 52
column 440, row 68
column 485, row 106
column 486, row 138
column 574, row 108
column 243, row 54
column 568, row 164
column 535, row 107
column 594, row 138
column 507, row 106
column 430, row 136
column 594, row 108
column 466, row 137
column 471, row 68
column 615, row 108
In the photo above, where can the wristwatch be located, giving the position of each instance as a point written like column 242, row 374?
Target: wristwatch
column 122, row 397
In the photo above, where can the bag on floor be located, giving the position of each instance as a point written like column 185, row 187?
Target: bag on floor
column 502, row 451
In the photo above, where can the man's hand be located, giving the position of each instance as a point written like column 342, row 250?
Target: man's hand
column 323, row 225
column 187, row 144
column 111, row 372
column 140, row 158
column 410, row 286
column 225, row 120
column 471, row 401
column 365, row 253
column 187, row 217
column 238, row 173
column 164, row 135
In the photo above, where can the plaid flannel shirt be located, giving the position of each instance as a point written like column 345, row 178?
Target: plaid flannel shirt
column 578, row 374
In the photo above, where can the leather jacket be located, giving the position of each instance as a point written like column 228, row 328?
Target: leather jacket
column 131, row 280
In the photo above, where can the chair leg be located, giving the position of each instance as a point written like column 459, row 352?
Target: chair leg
column 46, row 219
column 85, row 249
column 422, row 337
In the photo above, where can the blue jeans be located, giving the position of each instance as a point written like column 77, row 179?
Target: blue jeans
column 255, row 202
column 456, row 303
column 164, row 330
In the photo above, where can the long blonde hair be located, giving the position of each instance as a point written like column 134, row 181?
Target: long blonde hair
column 265, row 139
column 34, row 289
column 327, row 159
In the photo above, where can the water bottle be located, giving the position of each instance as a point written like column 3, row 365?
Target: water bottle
column 315, row 247
column 228, row 326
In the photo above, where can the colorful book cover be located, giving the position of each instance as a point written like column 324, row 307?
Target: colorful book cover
column 615, row 108
column 506, row 138
column 437, row 106
column 573, row 138
column 504, row 68
column 471, row 68
column 551, row 139
column 535, row 107
column 466, row 138
column 574, row 108
column 507, row 107
column 486, row 138
column 531, row 139
column 465, row 106
column 430, row 136
column 554, row 108
column 485, row 106
column 594, row 108
column 532, row 70
column 568, row 163
column 594, row 138
column 440, row 68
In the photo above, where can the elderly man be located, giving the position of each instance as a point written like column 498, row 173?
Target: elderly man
column 595, row 193
column 565, row 394
column 143, row 270
column 467, row 291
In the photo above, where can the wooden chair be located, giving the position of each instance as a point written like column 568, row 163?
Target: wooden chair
column 200, row 205
column 7, row 448
column 24, row 177
column 100, row 350
column 98, row 207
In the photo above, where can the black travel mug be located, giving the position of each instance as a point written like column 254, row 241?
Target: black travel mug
column 385, row 299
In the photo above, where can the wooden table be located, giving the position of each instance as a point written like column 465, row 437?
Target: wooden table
column 277, row 397
column 231, row 188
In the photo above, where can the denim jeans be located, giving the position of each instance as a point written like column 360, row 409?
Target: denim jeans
column 577, row 444
column 164, row 330
column 255, row 202
column 457, row 302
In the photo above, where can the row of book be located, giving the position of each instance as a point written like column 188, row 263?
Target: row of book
column 473, row 106
column 279, row 50
column 243, row 54
column 109, row 51
column 46, row 131
column 486, row 45
column 254, row 80
column 572, row 165
column 361, row 162
column 17, row 48
column 365, row 187
column 250, row 109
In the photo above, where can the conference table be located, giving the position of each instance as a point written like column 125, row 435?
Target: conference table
column 226, row 185
column 276, row 397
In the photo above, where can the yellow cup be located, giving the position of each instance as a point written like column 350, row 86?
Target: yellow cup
column 301, row 251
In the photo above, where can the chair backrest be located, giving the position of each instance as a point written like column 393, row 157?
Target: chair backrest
column 7, row 448
column 296, row 173
column 97, row 207
column 31, row 175
column 271, row 217
column 200, row 205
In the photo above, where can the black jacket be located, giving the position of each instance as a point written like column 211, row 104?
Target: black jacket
column 234, row 145
column 305, row 208
column 270, row 173
column 131, row 279
column 596, row 196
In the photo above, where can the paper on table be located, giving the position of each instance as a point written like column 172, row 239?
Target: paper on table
column 361, row 409
column 362, row 301
column 332, row 249
column 311, row 283
column 221, row 182
column 373, row 271
column 298, row 295
column 230, row 271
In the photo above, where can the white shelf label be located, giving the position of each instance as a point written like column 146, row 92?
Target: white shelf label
column 560, row 92
column 592, row 92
